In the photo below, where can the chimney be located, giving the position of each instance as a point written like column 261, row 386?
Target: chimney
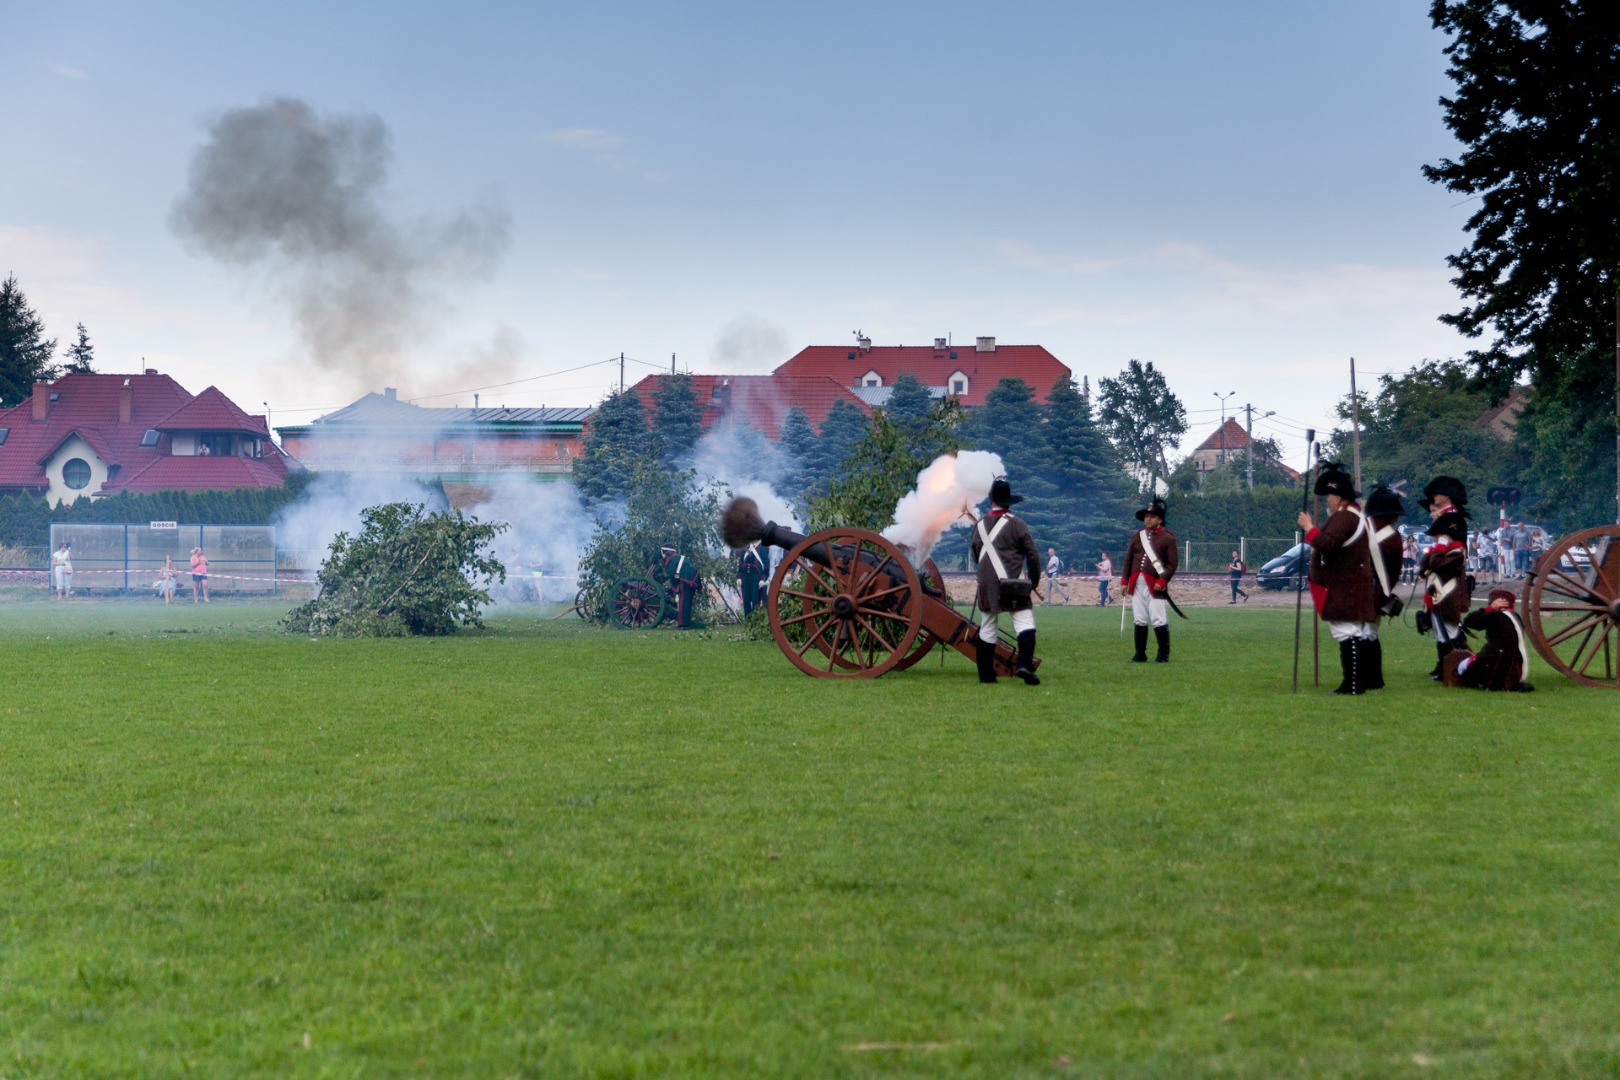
column 390, row 394
column 939, row 344
column 126, row 402
column 151, row 371
column 42, row 401
column 864, row 342
column 985, row 344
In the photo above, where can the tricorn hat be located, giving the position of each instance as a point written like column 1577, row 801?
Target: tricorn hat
column 1156, row 508
column 1384, row 503
column 1502, row 594
column 1449, row 486
column 1333, row 480
column 1001, row 492
column 1452, row 524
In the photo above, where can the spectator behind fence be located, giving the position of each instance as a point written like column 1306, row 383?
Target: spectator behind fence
column 199, row 575
column 1105, row 574
column 62, row 570
column 166, row 579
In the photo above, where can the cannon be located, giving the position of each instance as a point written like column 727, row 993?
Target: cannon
column 634, row 603
column 847, row 603
column 1572, row 606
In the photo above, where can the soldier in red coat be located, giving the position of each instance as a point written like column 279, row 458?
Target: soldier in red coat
column 1342, row 585
column 1150, row 563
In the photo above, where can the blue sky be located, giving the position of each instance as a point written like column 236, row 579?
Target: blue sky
column 1228, row 190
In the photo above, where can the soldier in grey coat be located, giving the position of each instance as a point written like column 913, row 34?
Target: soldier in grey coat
column 1009, row 571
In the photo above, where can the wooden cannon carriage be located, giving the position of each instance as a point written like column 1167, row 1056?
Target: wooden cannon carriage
column 846, row 603
column 1571, row 606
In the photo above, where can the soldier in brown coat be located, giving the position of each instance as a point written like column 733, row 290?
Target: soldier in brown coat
column 1004, row 552
column 1342, row 584
column 1443, row 570
column 1504, row 661
column 1150, row 563
column 1384, row 510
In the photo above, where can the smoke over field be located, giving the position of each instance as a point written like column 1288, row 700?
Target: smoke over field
column 300, row 198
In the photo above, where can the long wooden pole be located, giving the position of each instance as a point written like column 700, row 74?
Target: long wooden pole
column 1316, row 619
column 1299, row 567
column 1617, row 406
column 1355, row 425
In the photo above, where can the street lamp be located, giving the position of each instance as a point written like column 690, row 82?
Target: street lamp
column 1223, row 398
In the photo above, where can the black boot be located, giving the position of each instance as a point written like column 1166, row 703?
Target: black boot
column 985, row 653
column 1346, row 662
column 1352, row 655
column 1162, row 634
column 1026, row 659
column 1373, row 677
column 1442, row 650
column 1141, row 646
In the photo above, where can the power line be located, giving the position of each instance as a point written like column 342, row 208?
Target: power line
column 515, row 382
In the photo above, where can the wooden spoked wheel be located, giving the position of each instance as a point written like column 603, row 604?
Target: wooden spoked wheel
column 845, row 604
column 1572, row 606
column 582, row 604
column 636, row 603
column 927, row 639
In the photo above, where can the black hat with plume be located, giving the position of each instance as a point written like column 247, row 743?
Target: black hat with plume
column 1156, row 508
column 1333, row 480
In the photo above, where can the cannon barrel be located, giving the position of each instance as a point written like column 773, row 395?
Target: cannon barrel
column 741, row 524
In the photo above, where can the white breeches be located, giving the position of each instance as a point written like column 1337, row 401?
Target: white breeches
column 1350, row 631
column 1447, row 631
column 990, row 627
column 1145, row 608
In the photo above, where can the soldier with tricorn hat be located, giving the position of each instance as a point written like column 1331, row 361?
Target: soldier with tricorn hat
column 1444, row 494
column 1504, row 661
column 1150, row 563
column 1384, row 511
column 1009, row 570
column 1443, row 571
column 1343, row 584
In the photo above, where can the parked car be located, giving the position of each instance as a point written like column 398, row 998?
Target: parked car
column 1284, row 571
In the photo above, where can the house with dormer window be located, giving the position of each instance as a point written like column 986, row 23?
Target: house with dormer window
column 94, row 435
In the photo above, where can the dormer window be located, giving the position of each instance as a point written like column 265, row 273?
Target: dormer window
column 150, row 438
column 957, row 384
column 871, row 378
column 5, row 433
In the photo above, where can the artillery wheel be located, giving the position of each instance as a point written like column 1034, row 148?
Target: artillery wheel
column 1572, row 606
column 927, row 639
column 637, row 603
column 860, row 619
column 582, row 606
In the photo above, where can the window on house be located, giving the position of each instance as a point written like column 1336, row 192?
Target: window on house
column 76, row 474
column 150, row 438
column 872, row 378
column 5, row 433
column 213, row 443
column 958, row 386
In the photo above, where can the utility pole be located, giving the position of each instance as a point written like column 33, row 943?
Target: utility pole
column 1617, row 407
column 1248, row 411
column 1355, row 425
column 621, row 373
column 672, row 363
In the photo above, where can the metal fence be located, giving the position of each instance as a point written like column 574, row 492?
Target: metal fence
column 127, row 558
column 1210, row 556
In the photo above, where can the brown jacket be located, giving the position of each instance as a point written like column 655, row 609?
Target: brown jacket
column 1018, row 557
column 1392, row 548
column 1137, row 562
column 1342, row 583
column 1439, row 568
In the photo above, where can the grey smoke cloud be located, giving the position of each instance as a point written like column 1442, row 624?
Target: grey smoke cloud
column 301, row 197
column 749, row 345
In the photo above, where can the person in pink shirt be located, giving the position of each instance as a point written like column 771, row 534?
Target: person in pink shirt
column 199, row 575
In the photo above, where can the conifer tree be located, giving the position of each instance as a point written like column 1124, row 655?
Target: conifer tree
column 80, row 356
column 615, row 443
column 25, row 352
column 909, row 403
column 677, row 418
column 797, row 447
column 844, row 426
column 1091, row 494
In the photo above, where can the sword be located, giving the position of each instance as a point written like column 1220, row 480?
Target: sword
column 1174, row 607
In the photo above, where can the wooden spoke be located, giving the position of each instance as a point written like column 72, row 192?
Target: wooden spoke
column 1588, row 622
column 858, row 603
column 1572, row 622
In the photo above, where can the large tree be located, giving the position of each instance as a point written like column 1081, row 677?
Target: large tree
column 1537, row 109
column 1091, row 497
column 615, row 444
column 882, row 466
column 1142, row 418
column 842, row 427
column 677, row 420
column 25, row 352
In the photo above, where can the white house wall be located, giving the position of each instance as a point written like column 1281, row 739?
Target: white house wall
column 59, row 492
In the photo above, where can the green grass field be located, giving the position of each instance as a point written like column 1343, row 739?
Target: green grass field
column 548, row 850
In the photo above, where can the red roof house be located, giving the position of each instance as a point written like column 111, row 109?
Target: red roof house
column 967, row 371
column 98, row 434
column 1229, row 442
column 761, row 401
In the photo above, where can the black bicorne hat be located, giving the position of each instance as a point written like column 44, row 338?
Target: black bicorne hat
column 1450, row 524
column 1385, row 503
column 1333, row 480
column 1449, row 486
column 1001, row 492
column 1156, row 508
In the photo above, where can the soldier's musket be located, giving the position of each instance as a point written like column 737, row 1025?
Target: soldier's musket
column 1299, row 572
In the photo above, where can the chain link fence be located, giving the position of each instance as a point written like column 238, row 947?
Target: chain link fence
column 1213, row 556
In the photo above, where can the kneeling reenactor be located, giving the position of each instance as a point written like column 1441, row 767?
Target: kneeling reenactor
column 1504, row 661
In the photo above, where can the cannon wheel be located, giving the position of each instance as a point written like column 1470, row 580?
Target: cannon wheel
column 637, row 603
column 848, row 620
column 1572, row 606
column 927, row 639
column 582, row 606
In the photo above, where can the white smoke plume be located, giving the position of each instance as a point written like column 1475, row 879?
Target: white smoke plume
column 549, row 530
column 951, row 484
column 332, row 504
column 301, row 197
column 736, row 456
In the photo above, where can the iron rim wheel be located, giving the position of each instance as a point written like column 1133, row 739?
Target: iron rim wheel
column 1572, row 606
column 860, row 613
column 637, row 603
